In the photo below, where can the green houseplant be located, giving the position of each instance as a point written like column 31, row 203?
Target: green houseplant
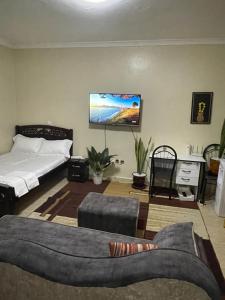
column 222, row 141
column 215, row 161
column 141, row 153
column 99, row 161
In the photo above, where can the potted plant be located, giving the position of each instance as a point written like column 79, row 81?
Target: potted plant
column 215, row 161
column 99, row 161
column 222, row 141
column 141, row 152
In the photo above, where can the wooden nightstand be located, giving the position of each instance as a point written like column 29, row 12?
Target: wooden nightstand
column 78, row 170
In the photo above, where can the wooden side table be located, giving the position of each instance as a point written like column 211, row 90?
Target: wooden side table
column 78, row 170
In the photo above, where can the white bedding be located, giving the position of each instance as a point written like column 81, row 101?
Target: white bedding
column 21, row 170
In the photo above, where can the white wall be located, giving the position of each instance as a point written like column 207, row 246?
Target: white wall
column 7, row 98
column 54, row 85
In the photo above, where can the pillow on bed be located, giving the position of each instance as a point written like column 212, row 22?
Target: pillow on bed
column 26, row 144
column 56, row 147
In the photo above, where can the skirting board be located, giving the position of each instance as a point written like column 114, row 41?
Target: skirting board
column 121, row 179
column 116, row 179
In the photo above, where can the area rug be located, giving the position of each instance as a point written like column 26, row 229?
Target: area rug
column 161, row 215
column 62, row 207
column 153, row 216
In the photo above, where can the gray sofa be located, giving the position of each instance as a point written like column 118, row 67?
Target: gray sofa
column 43, row 260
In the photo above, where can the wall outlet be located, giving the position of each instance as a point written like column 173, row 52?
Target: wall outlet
column 119, row 161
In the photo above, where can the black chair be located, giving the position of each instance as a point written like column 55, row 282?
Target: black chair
column 163, row 164
column 211, row 151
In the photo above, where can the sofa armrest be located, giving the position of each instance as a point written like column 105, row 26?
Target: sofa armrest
column 179, row 236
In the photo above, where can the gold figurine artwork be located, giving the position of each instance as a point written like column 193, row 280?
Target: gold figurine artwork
column 201, row 107
column 200, row 113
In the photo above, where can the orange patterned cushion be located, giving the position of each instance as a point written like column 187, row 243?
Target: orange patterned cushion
column 122, row 249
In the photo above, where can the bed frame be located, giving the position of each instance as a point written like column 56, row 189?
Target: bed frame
column 7, row 194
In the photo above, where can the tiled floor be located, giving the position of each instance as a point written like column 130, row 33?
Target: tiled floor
column 214, row 224
column 216, row 230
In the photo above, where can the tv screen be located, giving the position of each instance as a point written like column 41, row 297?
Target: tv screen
column 115, row 109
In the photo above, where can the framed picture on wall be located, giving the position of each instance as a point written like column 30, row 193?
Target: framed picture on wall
column 201, row 107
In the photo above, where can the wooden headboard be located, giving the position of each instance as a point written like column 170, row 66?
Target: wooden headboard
column 46, row 131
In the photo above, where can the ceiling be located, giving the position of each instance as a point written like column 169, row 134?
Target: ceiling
column 52, row 23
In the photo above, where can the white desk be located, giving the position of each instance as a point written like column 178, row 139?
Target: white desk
column 188, row 171
column 191, row 158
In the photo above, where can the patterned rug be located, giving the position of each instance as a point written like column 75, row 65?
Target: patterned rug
column 153, row 216
column 62, row 207
column 160, row 215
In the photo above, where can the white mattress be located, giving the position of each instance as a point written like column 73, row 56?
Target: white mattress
column 21, row 170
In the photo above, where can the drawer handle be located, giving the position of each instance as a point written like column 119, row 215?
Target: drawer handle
column 186, row 171
column 187, row 163
column 75, row 166
column 185, row 179
column 75, row 175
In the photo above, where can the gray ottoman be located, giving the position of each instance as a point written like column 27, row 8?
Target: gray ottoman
column 109, row 213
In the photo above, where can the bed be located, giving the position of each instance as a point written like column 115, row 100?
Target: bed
column 22, row 171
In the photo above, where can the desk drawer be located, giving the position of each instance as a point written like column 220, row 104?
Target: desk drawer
column 186, row 180
column 188, row 169
column 186, row 165
column 187, row 172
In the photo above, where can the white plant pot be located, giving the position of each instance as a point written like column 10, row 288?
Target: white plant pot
column 97, row 178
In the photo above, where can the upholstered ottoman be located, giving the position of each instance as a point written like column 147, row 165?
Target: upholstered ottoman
column 109, row 213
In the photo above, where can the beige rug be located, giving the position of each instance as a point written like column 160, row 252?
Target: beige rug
column 160, row 216
column 58, row 219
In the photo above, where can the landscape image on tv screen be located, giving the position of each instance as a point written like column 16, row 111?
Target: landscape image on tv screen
column 115, row 109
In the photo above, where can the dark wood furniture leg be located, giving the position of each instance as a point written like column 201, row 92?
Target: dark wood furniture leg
column 7, row 200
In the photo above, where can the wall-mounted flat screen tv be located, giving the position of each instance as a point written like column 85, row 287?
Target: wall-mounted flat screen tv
column 115, row 109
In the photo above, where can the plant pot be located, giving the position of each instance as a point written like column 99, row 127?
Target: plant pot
column 139, row 181
column 97, row 178
column 214, row 165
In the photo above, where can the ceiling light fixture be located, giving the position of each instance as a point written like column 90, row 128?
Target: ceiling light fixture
column 95, row 1
column 89, row 6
